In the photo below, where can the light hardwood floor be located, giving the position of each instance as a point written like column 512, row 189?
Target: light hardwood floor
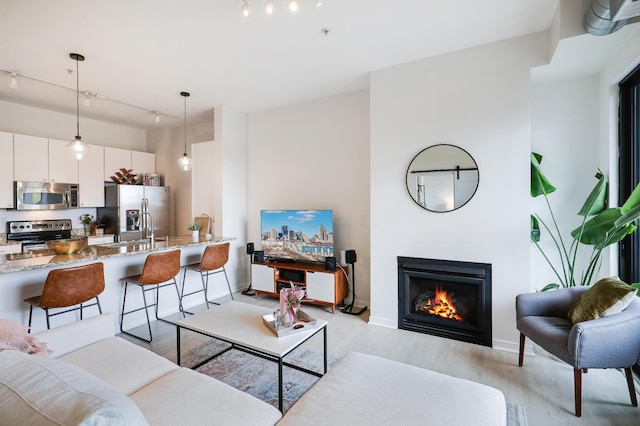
column 543, row 385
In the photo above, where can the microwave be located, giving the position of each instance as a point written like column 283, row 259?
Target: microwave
column 45, row 195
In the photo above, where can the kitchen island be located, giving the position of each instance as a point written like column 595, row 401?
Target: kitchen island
column 22, row 275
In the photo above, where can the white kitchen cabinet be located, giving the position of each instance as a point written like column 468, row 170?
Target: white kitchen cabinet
column 143, row 162
column 63, row 165
column 114, row 160
column 91, row 178
column 10, row 248
column 262, row 278
column 30, row 158
column 6, row 171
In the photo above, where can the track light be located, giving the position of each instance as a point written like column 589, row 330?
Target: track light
column 268, row 7
column 245, row 8
column 293, row 5
column 157, row 117
column 14, row 81
column 87, row 99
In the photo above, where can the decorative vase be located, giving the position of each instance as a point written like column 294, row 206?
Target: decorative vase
column 87, row 229
column 195, row 235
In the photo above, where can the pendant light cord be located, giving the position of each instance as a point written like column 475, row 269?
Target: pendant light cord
column 185, row 125
column 77, row 101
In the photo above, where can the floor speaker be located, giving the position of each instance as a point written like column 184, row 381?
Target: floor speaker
column 330, row 263
column 258, row 256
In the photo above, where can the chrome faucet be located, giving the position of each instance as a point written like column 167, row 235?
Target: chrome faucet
column 145, row 230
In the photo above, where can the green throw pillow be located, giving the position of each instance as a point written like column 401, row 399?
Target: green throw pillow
column 606, row 297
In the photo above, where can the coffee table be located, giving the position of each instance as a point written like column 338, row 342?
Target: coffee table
column 240, row 324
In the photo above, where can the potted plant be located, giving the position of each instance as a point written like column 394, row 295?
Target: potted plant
column 600, row 227
column 195, row 229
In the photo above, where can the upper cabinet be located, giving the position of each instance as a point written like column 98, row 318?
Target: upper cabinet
column 63, row 165
column 30, row 158
column 114, row 160
column 6, row 170
column 91, row 178
column 137, row 161
column 39, row 159
column 143, row 162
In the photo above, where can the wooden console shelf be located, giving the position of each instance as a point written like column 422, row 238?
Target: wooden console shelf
column 327, row 288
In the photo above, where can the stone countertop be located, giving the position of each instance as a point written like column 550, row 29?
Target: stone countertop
column 36, row 259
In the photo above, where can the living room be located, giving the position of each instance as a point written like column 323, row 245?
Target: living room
column 499, row 101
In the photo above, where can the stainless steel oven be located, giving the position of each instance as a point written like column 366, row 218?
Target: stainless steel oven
column 34, row 234
column 45, row 195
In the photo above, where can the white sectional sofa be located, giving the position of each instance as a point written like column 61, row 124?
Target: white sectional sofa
column 94, row 377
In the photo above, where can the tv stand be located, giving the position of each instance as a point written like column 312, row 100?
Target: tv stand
column 325, row 288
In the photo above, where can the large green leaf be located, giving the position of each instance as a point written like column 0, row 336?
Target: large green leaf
column 535, row 229
column 628, row 217
column 539, row 183
column 596, row 202
column 633, row 201
column 598, row 227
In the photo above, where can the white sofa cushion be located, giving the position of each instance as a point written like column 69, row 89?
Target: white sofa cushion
column 70, row 337
column 185, row 397
column 369, row 390
column 124, row 365
column 38, row 390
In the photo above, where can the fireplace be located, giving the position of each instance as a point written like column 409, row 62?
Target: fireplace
column 445, row 298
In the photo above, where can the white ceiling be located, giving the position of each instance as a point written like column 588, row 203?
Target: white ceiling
column 144, row 52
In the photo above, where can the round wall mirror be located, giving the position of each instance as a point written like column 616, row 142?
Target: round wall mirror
column 442, row 178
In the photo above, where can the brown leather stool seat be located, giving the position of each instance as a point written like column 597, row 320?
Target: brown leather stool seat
column 159, row 270
column 69, row 287
column 213, row 260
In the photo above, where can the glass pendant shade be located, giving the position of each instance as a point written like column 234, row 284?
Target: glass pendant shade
column 185, row 162
column 79, row 148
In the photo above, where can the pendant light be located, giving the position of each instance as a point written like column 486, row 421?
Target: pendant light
column 79, row 148
column 185, row 162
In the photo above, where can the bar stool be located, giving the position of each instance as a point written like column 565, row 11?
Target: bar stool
column 213, row 260
column 69, row 287
column 159, row 270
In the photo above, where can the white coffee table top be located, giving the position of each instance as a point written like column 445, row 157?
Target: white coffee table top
column 241, row 323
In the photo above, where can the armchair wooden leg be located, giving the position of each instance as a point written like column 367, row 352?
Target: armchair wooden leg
column 521, row 354
column 632, row 389
column 577, row 387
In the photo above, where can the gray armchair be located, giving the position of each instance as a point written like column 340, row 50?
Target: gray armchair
column 608, row 342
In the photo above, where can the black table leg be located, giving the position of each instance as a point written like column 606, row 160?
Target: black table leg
column 280, row 384
column 178, row 345
column 325, row 349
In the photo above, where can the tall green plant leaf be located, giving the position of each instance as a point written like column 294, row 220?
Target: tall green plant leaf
column 535, row 229
column 633, row 201
column 596, row 202
column 539, row 183
column 597, row 228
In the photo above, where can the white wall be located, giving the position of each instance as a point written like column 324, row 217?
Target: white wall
column 229, row 185
column 16, row 118
column 565, row 131
column 315, row 155
column 477, row 99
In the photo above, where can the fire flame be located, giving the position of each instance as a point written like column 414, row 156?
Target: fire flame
column 442, row 305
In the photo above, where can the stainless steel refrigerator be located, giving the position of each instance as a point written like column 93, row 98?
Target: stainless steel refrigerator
column 125, row 205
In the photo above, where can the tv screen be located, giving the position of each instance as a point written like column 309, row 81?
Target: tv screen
column 299, row 235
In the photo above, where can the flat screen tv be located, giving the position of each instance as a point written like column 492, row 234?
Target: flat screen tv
column 297, row 235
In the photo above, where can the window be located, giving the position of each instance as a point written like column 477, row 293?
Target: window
column 629, row 168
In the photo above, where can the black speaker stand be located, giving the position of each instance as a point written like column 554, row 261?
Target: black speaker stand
column 351, row 309
column 249, row 291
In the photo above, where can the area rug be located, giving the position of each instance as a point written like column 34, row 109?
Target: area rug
column 259, row 377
